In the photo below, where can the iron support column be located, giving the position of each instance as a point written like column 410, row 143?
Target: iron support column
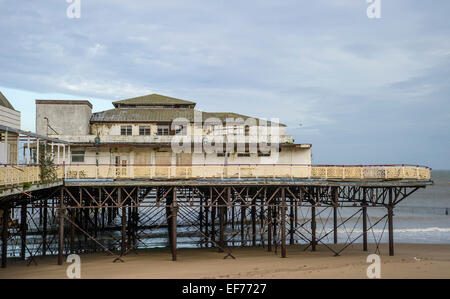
column 123, row 247
column 61, row 227
column 253, row 222
column 5, row 236
column 23, row 230
column 206, row 222
column 72, row 231
column 283, row 223
column 243, row 208
column 269, row 227
column 275, row 220
column 261, row 222
column 44, row 226
column 313, row 221
column 335, row 216
column 391, row 223
column 222, row 211
column 174, row 224
column 364, row 212
column 213, row 216
column 200, row 216
column 291, row 223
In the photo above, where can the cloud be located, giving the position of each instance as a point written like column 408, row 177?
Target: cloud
column 96, row 50
column 348, row 80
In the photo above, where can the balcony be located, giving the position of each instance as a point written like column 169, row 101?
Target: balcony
column 14, row 175
column 137, row 139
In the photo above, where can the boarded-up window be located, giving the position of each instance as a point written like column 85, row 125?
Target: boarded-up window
column 78, row 156
column 142, row 158
column 263, row 154
column 184, row 159
column 163, row 158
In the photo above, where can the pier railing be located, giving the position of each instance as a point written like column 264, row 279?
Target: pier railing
column 13, row 175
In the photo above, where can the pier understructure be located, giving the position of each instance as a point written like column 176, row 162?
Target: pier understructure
column 119, row 216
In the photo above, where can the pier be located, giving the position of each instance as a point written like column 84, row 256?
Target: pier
column 119, row 209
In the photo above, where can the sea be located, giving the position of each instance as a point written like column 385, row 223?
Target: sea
column 424, row 217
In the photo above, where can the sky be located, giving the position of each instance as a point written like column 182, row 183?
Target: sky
column 361, row 90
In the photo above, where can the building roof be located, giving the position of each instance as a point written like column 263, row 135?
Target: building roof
column 130, row 115
column 64, row 102
column 4, row 102
column 154, row 100
column 33, row 135
column 141, row 115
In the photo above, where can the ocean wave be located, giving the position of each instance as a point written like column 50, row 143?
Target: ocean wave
column 407, row 230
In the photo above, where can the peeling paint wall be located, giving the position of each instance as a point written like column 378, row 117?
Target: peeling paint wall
column 155, row 156
column 65, row 119
column 100, row 129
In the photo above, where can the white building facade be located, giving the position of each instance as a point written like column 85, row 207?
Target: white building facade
column 157, row 130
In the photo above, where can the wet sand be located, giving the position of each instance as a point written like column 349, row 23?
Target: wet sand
column 411, row 261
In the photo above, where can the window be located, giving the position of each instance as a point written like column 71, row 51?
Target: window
column 243, row 154
column 263, row 154
column 126, row 130
column 239, row 130
column 222, row 154
column 144, row 130
column 247, row 130
column 179, row 130
column 163, row 130
column 78, row 156
column 218, row 130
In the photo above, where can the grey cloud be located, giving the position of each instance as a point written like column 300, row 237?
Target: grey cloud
column 363, row 90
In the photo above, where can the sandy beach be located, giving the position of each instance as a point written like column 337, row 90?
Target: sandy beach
column 411, row 261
